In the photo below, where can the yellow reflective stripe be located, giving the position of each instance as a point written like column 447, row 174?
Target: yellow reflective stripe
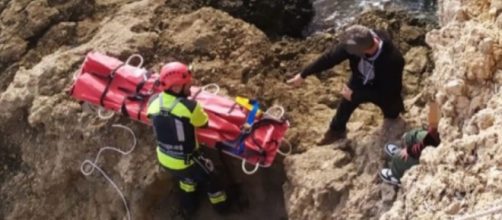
column 187, row 187
column 218, row 197
column 171, row 162
column 179, row 110
column 153, row 107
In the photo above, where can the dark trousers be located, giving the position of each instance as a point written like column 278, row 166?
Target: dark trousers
column 390, row 108
column 194, row 178
column 398, row 166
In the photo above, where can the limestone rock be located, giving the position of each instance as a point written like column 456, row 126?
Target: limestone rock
column 416, row 60
column 459, row 176
column 455, row 87
column 319, row 182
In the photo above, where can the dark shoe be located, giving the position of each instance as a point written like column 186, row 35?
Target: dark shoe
column 331, row 136
column 222, row 208
column 183, row 214
column 387, row 176
column 187, row 216
column 237, row 197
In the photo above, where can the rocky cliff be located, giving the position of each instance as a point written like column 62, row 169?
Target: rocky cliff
column 463, row 175
column 45, row 135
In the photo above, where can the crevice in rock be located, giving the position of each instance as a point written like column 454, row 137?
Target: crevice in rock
column 33, row 40
column 10, row 157
column 7, row 76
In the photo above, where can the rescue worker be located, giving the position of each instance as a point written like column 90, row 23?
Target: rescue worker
column 175, row 119
column 377, row 70
column 413, row 142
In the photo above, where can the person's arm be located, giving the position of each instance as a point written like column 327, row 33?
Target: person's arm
column 431, row 139
column 199, row 118
column 329, row 59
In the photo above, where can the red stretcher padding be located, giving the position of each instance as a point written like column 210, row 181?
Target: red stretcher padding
column 129, row 90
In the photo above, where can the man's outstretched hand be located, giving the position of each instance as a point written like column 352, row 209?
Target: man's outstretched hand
column 296, row 81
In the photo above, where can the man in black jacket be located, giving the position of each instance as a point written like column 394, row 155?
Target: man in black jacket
column 377, row 71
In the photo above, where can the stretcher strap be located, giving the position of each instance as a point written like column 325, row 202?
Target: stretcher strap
column 261, row 153
column 248, row 128
column 140, row 86
column 252, row 114
column 136, row 96
column 141, row 107
column 110, row 79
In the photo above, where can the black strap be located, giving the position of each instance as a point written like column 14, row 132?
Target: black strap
column 197, row 93
column 137, row 97
column 141, row 107
column 110, row 79
column 232, row 108
column 258, row 124
column 140, row 85
column 123, row 108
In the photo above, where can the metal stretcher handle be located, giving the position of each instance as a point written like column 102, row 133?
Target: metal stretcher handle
column 139, row 57
column 249, row 172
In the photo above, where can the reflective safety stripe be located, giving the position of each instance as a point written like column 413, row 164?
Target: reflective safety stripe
column 171, row 162
column 175, row 151
column 180, row 131
column 187, row 186
column 217, row 197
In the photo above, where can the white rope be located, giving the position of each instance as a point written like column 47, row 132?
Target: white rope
column 290, row 148
column 140, row 58
column 246, row 171
column 214, row 86
column 102, row 115
column 91, row 165
column 493, row 210
column 99, row 110
column 275, row 111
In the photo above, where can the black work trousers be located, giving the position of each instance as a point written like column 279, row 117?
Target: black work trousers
column 390, row 107
column 195, row 177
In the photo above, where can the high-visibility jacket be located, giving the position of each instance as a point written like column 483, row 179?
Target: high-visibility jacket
column 174, row 120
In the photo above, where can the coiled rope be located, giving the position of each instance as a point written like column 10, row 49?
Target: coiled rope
column 87, row 167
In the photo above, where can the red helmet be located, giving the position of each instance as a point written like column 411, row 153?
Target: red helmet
column 174, row 74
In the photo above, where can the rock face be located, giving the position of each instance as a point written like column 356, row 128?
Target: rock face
column 24, row 22
column 462, row 175
column 49, row 135
column 45, row 135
